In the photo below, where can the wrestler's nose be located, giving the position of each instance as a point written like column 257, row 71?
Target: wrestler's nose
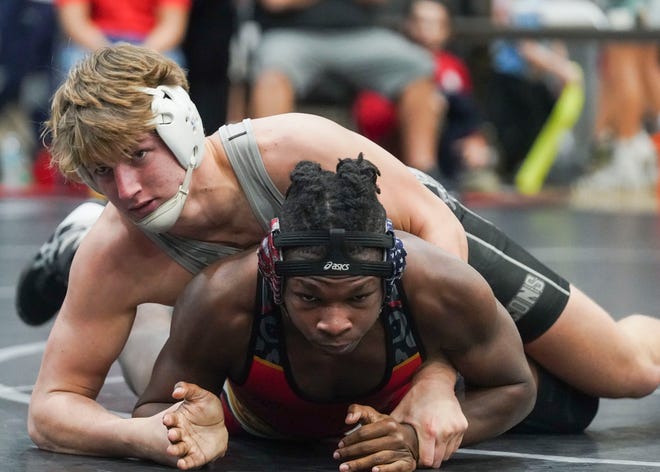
column 126, row 181
column 334, row 322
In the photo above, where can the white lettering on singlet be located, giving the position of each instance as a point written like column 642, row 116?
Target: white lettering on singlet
column 526, row 298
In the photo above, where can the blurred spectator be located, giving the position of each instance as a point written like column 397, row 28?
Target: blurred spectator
column 242, row 46
column 629, row 93
column 464, row 152
column 527, row 79
column 304, row 43
column 91, row 24
column 27, row 32
column 206, row 47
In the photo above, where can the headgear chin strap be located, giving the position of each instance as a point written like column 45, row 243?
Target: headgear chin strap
column 163, row 218
column 336, row 261
column 180, row 127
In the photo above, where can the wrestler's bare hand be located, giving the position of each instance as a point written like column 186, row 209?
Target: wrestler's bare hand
column 196, row 428
column 433, row 409
column 381, row 444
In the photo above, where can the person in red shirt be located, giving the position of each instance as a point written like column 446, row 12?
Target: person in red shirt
column 91, row 24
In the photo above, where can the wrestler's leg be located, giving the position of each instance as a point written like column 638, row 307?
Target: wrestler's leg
column 590, row 350
column 564, row 330
column 148, row 335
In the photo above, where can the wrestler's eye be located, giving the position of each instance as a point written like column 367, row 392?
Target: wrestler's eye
column 307, row 298
column 139, row 155
column 101, row 170
column 365, row 297
column 304, row 296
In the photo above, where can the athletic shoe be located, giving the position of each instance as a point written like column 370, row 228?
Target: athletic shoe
column 43, row 282
column 633, row 167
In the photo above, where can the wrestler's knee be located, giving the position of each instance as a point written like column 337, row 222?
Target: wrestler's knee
column 643, row 370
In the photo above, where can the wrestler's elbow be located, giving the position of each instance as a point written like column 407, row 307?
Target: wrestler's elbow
column 523, row 397
column 38, row 422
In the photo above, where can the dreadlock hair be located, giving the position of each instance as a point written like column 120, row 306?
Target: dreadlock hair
column 321, row 199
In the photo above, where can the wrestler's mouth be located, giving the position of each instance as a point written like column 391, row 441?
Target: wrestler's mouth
column 339, row 348
column 143, row 209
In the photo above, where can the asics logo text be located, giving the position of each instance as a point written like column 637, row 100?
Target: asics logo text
column 334, row 266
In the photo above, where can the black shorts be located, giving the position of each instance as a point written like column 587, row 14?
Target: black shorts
column 559, row 408
column 532, row 293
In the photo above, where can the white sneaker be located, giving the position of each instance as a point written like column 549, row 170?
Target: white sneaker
column 648, row 156
column 628, row 183
column 633, row 167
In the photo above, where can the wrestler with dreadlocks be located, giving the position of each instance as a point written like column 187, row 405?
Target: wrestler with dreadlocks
column 322, row 329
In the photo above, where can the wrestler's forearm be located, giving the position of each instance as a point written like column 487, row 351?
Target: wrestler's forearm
column 433, row 379
column 433, row 410
column 73, row 424
column 438, row 370
column 493, row 411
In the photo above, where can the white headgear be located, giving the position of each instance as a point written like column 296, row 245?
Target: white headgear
column 180, row 127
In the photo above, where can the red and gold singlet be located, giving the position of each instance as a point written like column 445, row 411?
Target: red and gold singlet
column 267, row 405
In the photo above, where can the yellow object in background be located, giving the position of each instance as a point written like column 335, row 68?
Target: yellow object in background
column 534, row 169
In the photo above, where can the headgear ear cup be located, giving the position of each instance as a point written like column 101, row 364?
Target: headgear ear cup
column 178, row 123
column 268, row 253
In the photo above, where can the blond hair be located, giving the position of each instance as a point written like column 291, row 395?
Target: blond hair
column 100, row 112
